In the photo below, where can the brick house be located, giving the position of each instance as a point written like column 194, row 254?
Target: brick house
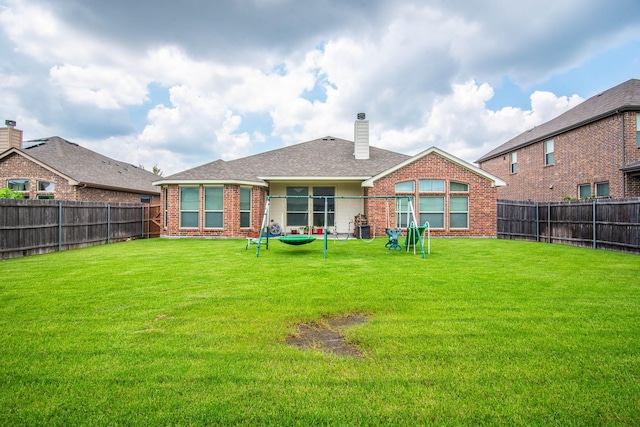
column 592, row 150
column 54, row 168
column 227, row 198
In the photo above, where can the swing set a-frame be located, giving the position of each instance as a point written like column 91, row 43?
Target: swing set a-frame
column 414, row 237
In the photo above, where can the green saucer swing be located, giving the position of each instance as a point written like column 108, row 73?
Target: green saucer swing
column 297, row 239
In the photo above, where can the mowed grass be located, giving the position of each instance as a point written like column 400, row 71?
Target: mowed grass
column 192, row 332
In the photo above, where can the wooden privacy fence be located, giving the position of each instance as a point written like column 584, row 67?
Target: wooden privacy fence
column 30, row 227
column 601, row 223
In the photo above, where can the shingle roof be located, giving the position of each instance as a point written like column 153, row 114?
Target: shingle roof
column 89, row 167
column 625, row 96
column 326, row 157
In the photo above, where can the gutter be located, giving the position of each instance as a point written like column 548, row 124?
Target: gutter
column 107, row 187
column 560, row 131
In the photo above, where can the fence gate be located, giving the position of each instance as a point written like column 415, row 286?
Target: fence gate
column 153, row 220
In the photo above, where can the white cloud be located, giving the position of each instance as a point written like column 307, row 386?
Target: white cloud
column 422, row 71
column 102, row 87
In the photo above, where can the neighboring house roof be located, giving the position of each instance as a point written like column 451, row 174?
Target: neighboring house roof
column 85, row 167
column 320, row 159
column 624, row 97
column 495, row 181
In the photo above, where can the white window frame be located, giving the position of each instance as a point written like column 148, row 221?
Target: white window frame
column 246, row 211
column 451, row 190
column 209, row 211
column 184, row 211
column 458, row 212
column 426, row 185
column 425, row 212
column 549, row 152
column 405, row 187
column 19, row 181
column 303, row 200
column 580, row 187
column 598, row 185
column 638, row 129
column 402, row 212
column 513, row 164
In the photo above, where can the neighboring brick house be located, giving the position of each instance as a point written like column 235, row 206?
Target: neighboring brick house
column 227, row 198
column 592, row 150
column 54, row 168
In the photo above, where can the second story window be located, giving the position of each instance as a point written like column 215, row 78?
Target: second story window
column 514, row 162
column 638, row 129
column 548, row 152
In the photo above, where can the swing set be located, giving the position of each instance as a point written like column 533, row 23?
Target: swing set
column 415, row 233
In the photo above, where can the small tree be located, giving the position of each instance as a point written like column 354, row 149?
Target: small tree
column 7, row 193
column 156, row 170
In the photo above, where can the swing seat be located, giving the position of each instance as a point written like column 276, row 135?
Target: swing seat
column 393, row 234
column 414, row 234
column 297, row 240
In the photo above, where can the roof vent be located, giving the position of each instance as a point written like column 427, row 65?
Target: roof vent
column 361, row 116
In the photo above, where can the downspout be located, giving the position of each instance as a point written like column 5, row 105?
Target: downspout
column 624, row 161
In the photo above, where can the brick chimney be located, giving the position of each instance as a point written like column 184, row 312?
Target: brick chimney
column 10, row 136
column 361, row 137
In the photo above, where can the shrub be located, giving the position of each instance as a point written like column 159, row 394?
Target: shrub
column 7, row 193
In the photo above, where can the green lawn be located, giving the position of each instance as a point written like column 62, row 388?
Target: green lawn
column 192, row 332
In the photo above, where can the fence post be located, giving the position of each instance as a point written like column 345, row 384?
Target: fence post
column 594, row 225
column 548, row 222
column 108, row 223
column 142, row 221
column 537, row 224
column 59, row 226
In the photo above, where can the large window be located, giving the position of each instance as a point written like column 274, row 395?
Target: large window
column 432, row 210
column 602, row 189
column 402, row 210
column 213, row 207
column 18, row 184
column 432, row 186
column 548, row 152
column 298, row 207
column 514, row 162
column 245, row 207
column 189, row 206
column 318, row 206
column 459, row 212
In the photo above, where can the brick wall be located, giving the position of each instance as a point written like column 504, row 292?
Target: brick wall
column 482, row 197
column 586, row 155
column 231, row 215
column 14, row 166
column 482, row 203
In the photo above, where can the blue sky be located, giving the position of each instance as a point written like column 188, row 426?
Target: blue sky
column 178, row 84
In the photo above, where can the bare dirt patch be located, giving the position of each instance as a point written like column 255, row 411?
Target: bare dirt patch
column 326, row 335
